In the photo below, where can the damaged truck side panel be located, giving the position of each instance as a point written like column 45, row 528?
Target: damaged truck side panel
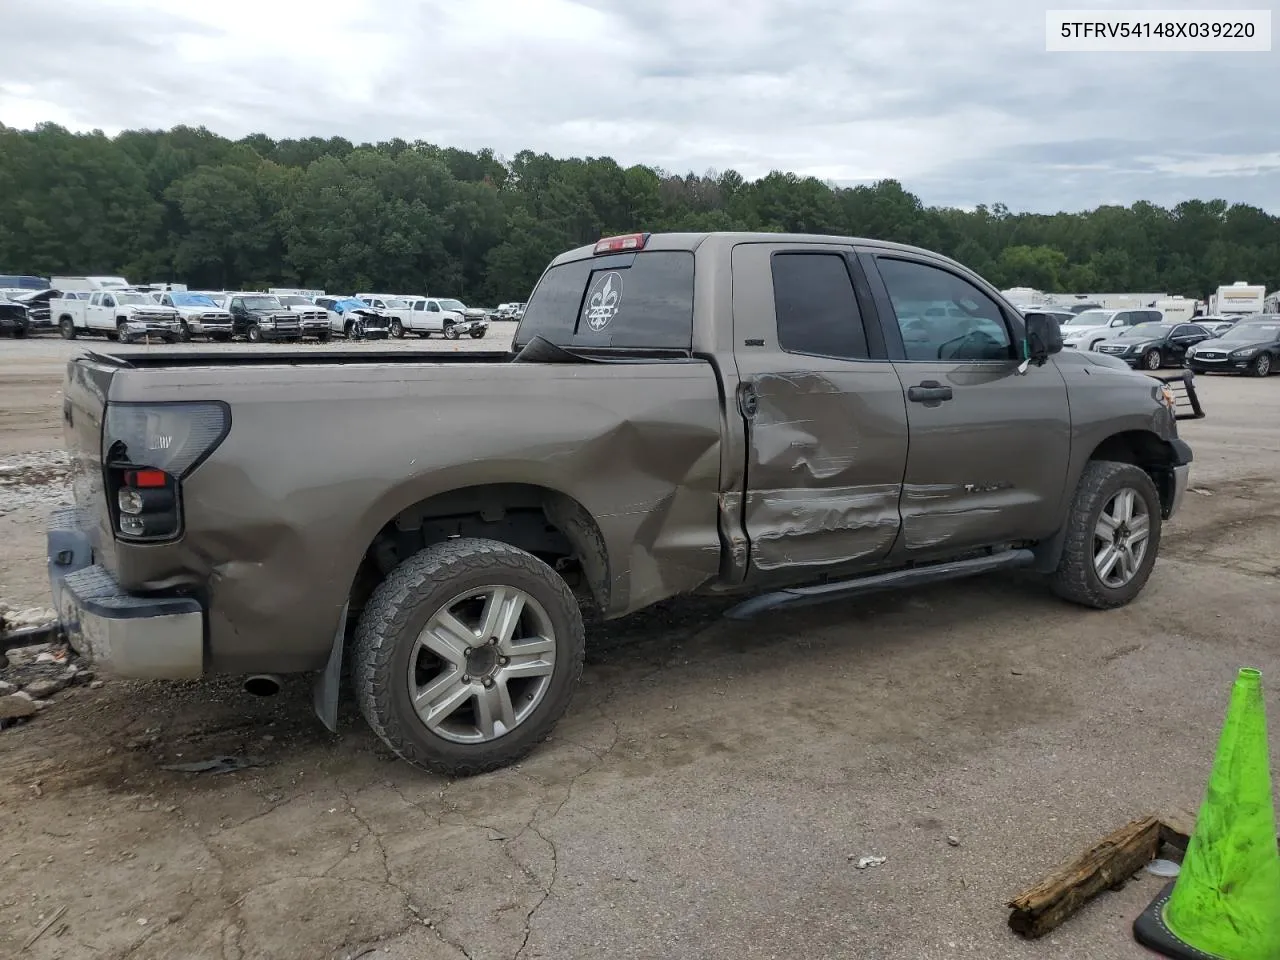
column 679, row 413
column 274, row 543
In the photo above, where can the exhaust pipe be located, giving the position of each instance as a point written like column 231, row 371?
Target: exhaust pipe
column 262, row 685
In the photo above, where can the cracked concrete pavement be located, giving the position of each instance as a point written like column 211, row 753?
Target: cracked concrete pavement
column 706, row 791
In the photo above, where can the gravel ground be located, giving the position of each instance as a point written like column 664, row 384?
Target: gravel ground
column 708, row 794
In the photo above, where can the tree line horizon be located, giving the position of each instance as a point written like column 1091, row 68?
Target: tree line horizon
column 188, row 205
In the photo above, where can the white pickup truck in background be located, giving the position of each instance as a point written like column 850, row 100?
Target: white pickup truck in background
column 448, row 317
column 201, row 316
column 116, row 314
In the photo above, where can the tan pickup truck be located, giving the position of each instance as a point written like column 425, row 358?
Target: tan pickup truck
column 792, row 419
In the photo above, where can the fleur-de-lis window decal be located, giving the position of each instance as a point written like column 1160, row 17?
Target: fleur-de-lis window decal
column 603, row 303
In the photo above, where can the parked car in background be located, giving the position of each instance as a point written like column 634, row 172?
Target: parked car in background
column 1216, row 325
column 37, row 304
column 314, row 320
column 1090, row 327
column 14, row 321
column 201, row 316
column 1251, row 346
column 11, row 281
column 450, row 318
column 473, row 315
column 259, row 317
column 1151, row 346
column 116, row 314
column 354, row 319
column 505, row 311
column 398, row 312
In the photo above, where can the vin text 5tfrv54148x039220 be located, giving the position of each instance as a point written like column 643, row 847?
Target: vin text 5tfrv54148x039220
column 789, row 418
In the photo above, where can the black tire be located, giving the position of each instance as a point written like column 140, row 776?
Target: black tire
column 477, row 334
column 424, row 334
column 1076, row 578
column 66, row 328
column 1152, row 360
column 20, row 332
column 1261, row 366
column 254, row 333
column 399, row 609
column 451, row 332
column 397, row 328
column 186, row 333
column 324, row 337
column 352, row 330
column 121, row 327
column 219, row 337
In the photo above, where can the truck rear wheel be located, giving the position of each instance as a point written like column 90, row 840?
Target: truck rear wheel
column 1112, row 538
column 467, row 655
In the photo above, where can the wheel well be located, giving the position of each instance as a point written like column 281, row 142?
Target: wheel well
column 548, row 524
column 1142, row 449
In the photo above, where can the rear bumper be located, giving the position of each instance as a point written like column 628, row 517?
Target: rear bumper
column 127, row 635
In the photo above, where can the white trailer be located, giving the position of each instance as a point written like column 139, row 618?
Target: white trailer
column 1238, row 299
column 89, row 284
column 1178, row 309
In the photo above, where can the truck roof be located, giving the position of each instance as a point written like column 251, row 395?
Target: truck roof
column 692, row 241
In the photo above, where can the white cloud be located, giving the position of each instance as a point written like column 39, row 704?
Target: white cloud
column 961, row 103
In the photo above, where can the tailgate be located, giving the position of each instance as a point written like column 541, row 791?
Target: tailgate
column 83, row 405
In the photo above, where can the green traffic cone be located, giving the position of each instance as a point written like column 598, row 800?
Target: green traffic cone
column 1225, row 903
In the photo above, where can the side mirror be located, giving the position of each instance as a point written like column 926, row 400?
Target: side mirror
column 1044, row 337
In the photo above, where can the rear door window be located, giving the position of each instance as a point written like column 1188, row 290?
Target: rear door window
column 627, row 301
column 816, row 309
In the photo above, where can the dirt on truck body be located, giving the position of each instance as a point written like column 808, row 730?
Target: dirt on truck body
column 793, row 417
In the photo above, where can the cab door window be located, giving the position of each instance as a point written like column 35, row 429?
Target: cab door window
column 943, row 316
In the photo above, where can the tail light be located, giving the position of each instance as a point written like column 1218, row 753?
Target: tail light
column 148, row 449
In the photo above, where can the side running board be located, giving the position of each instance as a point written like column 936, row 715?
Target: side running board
column 895, row 579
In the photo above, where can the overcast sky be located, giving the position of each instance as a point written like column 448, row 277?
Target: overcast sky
column 962, row 107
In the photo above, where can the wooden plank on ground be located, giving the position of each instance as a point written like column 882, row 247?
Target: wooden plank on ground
column 1108, row 865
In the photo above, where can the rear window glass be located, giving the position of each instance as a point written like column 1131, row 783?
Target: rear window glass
column 642, row 300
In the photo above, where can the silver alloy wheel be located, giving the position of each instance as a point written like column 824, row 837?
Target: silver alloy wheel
column 1153, row 359
column 482, row 664
column 1263, row 364
column 1120, row 538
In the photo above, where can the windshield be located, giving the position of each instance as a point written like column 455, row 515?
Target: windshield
column 1091, row 318
column 452, row 305
column 1146, row 331
column 191, row 300
column 261, row 303
column 293, row 300
column 133, row 298
column 1253, row 331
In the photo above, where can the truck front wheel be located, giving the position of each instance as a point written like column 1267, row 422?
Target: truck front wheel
column 66, row 328
column 1113, row 536
column 450, row 332
column 467, row 655
column 397, row 329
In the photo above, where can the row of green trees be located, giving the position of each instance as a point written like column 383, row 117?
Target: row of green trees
column 190, row 206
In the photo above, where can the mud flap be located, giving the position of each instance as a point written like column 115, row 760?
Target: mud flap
column 328, row 685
